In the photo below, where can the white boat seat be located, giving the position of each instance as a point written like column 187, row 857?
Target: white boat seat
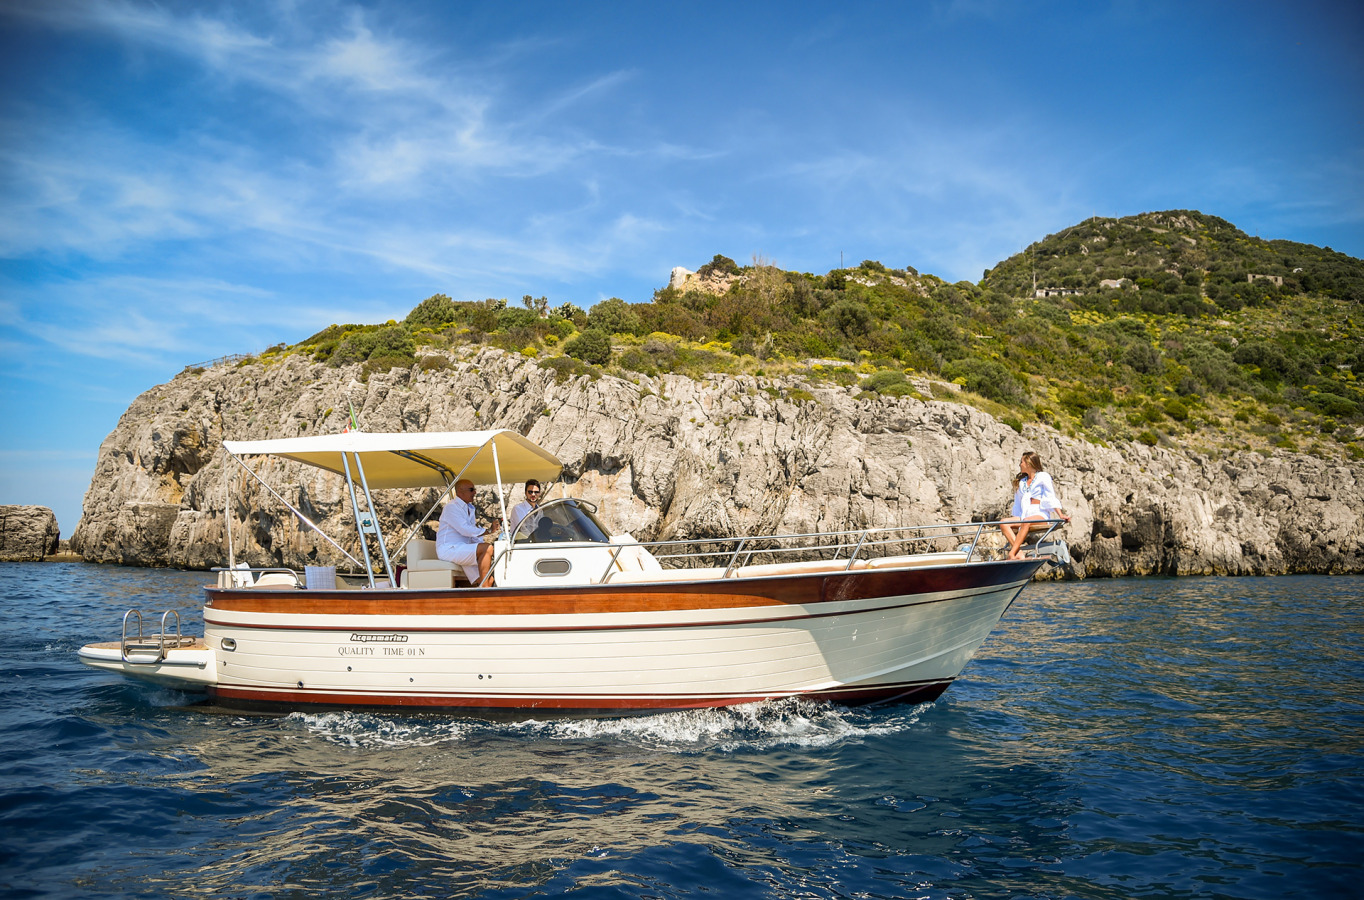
column 276, row 580
column 946, row 558
column 421, row 557
column 804, row 567
column 634, row 558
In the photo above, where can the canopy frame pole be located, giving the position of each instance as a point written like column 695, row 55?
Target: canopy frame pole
column 378, row 531
column 501, row 501
column 359, row 527
column 227, row 512
column 311, row 524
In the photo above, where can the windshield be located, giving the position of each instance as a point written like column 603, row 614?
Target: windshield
column 561, row 521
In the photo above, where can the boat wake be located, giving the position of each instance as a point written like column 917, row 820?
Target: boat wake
column 375, row 731
column 791, row 722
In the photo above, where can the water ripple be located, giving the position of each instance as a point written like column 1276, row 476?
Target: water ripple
column 1140, row 738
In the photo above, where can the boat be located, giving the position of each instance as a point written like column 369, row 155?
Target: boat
column 575, row 620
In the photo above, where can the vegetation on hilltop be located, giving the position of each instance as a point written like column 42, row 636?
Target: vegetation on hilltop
column 1162, row 327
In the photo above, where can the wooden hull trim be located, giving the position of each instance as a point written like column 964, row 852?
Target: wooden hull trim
column 374, row 623
column 791, row 590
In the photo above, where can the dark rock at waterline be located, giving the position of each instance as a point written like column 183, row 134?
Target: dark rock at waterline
column 27, row 533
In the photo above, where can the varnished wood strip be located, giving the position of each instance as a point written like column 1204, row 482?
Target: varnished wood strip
column 626, row 598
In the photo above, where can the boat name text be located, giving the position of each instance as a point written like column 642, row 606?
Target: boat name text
column 382, row 651
column 379, row 638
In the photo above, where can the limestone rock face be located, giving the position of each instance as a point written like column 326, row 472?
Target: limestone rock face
column 672, row 458
column 683, row 279
column 27, row 533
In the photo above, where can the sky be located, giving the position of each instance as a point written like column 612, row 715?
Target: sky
column 184, row 181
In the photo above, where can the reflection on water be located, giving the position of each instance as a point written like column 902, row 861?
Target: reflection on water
column 1184, row 738
column 490, row 804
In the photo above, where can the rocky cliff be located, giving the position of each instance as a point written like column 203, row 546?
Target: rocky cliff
column 669, row 457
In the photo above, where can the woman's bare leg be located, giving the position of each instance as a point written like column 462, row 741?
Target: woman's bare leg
column 1007, row 530
column 1020, row 533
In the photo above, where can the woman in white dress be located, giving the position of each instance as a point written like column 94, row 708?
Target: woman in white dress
column 1034, row 500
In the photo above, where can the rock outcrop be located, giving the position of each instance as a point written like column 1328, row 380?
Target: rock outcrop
column 27, row 533
column 670, row 457
column 717, row 283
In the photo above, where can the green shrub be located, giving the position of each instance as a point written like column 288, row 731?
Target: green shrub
column 433, row 312
column 699, row 363
column 561, row 326
column 882, row 381
column 1079, row 399
column 722, row 264
column 1141, row 357
column 614, row 316
column 389, row 341
column 636, row 360
column 1333, row 404
column 852, row 317
column 591, row 346
column 662, row 354
column 1149, row 438
column 383, row 363
column 1269, row 359
column 510, row 318
column 564, row 367
column 987, row 378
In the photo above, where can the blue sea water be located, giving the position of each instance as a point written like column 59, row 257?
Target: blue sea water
column 1195, row 737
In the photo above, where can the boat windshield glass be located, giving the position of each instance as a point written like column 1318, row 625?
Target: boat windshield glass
column 562, row 521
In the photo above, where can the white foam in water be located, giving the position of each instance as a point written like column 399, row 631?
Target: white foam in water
column 751, row 726
column 366, row 731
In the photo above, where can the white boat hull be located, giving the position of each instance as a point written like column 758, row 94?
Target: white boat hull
column 868, row 648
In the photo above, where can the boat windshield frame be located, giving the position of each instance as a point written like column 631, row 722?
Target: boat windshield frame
column 570, row 520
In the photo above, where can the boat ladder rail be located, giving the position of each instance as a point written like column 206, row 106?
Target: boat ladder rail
column 150, row 649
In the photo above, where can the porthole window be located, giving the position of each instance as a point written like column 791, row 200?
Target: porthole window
column 552, row 567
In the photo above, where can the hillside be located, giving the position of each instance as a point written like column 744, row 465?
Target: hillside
column 1172, row 329
column 1198, row 419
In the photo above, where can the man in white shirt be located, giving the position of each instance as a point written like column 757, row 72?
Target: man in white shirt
column 525, row 508
column 459, row 539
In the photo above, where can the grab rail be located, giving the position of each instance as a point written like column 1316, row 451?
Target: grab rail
column 153, row 645
column 966, row 536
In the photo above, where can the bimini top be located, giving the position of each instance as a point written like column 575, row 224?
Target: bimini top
column 401, row 460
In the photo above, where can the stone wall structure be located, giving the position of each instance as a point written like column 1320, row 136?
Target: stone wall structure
column 670, row 457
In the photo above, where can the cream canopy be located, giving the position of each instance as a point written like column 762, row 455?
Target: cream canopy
column 401, row 460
